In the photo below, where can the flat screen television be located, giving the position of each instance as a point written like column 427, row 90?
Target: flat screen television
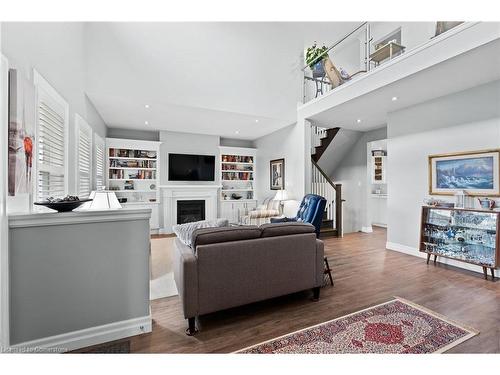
column 185, row 167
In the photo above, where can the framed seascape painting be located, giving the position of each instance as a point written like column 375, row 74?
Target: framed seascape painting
column 277, row 171
column 476, row 172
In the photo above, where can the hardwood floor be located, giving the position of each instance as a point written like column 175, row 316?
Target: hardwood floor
column 365, row 274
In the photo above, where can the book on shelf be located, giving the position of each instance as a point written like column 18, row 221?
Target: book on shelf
column 120, row 174
column 127, row 153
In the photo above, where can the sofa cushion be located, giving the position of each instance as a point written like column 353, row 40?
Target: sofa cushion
column 285, row 229
column 207, row 236
column 184, row 232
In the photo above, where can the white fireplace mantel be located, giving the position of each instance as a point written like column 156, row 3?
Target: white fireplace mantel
column 170, row 194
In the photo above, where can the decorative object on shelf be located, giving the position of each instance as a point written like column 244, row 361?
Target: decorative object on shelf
column 463, row 200
column 128, row 185
column 102, row 200
column 122, row 200
column 464, row 235
column 378, row 168
column 66, row 204
column 236, row 196
column 438, row 203
column 443, row 26
column 486, row 203
column 277, row 174
column 314, row 59
column 476, row 172
column 379, row 153
column 152, row 186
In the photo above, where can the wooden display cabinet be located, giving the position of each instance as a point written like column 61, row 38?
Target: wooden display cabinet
column 465, row 235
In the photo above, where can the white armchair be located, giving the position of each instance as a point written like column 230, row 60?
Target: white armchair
column 263, row 214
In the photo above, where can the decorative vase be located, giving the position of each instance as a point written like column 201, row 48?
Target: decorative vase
column 318, row 70
column 487, row 203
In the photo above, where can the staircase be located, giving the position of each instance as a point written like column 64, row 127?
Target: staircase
column 322, row 185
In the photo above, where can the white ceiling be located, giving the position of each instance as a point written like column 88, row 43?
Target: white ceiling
column 470, row 69
column 238, row 80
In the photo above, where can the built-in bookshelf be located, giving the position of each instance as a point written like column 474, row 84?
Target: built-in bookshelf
column 133, row 173
column 237, row 173
column 238, row 178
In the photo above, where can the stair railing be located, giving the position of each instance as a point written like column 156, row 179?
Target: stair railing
column 322, row 185
column 317, row 133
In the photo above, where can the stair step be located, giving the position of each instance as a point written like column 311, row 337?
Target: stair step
column 325, row 142
column 327, row 224
column 327, row 232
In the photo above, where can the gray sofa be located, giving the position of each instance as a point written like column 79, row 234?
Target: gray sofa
column 233, row 266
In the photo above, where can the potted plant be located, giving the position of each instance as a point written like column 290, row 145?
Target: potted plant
column 314, row 59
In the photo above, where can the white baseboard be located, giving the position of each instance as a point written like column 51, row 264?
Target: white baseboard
column 415, row 252
column 367, row 229
column 86, row 337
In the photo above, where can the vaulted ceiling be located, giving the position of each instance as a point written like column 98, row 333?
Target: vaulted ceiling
column 239, row 80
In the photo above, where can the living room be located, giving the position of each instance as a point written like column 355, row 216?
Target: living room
column 334, row 189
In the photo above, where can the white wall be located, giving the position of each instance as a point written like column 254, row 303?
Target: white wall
column 187, row 143
column 440, row 126
column 143, row 135
column 287, row 143
column 341, row 145
column 351, row 172
column 56, row 51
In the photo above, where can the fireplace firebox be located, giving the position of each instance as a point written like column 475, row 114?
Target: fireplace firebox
column 190, row 210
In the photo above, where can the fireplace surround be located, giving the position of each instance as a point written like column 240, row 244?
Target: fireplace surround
column 172, row 194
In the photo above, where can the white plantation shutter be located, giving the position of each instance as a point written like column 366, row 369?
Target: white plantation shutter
column 84, row 157
column 99, row 161
column 52, row 126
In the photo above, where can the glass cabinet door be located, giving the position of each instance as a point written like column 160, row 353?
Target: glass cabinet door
column 461, row 234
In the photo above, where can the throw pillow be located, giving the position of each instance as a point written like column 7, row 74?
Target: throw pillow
column 185, row 231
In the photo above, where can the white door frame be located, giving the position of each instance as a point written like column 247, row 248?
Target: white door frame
column 4, row 229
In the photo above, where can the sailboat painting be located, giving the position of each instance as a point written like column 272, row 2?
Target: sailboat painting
column 476, row 172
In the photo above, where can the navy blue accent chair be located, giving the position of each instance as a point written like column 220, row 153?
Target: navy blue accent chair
column 311, row 211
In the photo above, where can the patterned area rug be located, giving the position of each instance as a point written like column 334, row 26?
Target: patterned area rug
column 397, row 326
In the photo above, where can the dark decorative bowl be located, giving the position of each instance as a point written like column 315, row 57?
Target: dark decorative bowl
column 63, row 206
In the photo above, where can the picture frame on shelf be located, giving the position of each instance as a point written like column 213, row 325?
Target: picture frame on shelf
column 277, row 174
column 475, row 172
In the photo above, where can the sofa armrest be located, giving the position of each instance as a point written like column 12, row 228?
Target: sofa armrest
column 320, row 265
column 186, row 277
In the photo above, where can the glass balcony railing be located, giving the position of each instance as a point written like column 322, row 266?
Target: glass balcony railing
column 367, row 47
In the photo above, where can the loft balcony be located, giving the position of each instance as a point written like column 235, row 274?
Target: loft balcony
column 422, row 67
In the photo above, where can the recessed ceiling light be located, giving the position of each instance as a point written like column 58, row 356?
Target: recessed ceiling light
column 146, row 105
column 358, row 120
column 394, row 98
column 146, row 123
column 257, row 120
column 237, row 132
